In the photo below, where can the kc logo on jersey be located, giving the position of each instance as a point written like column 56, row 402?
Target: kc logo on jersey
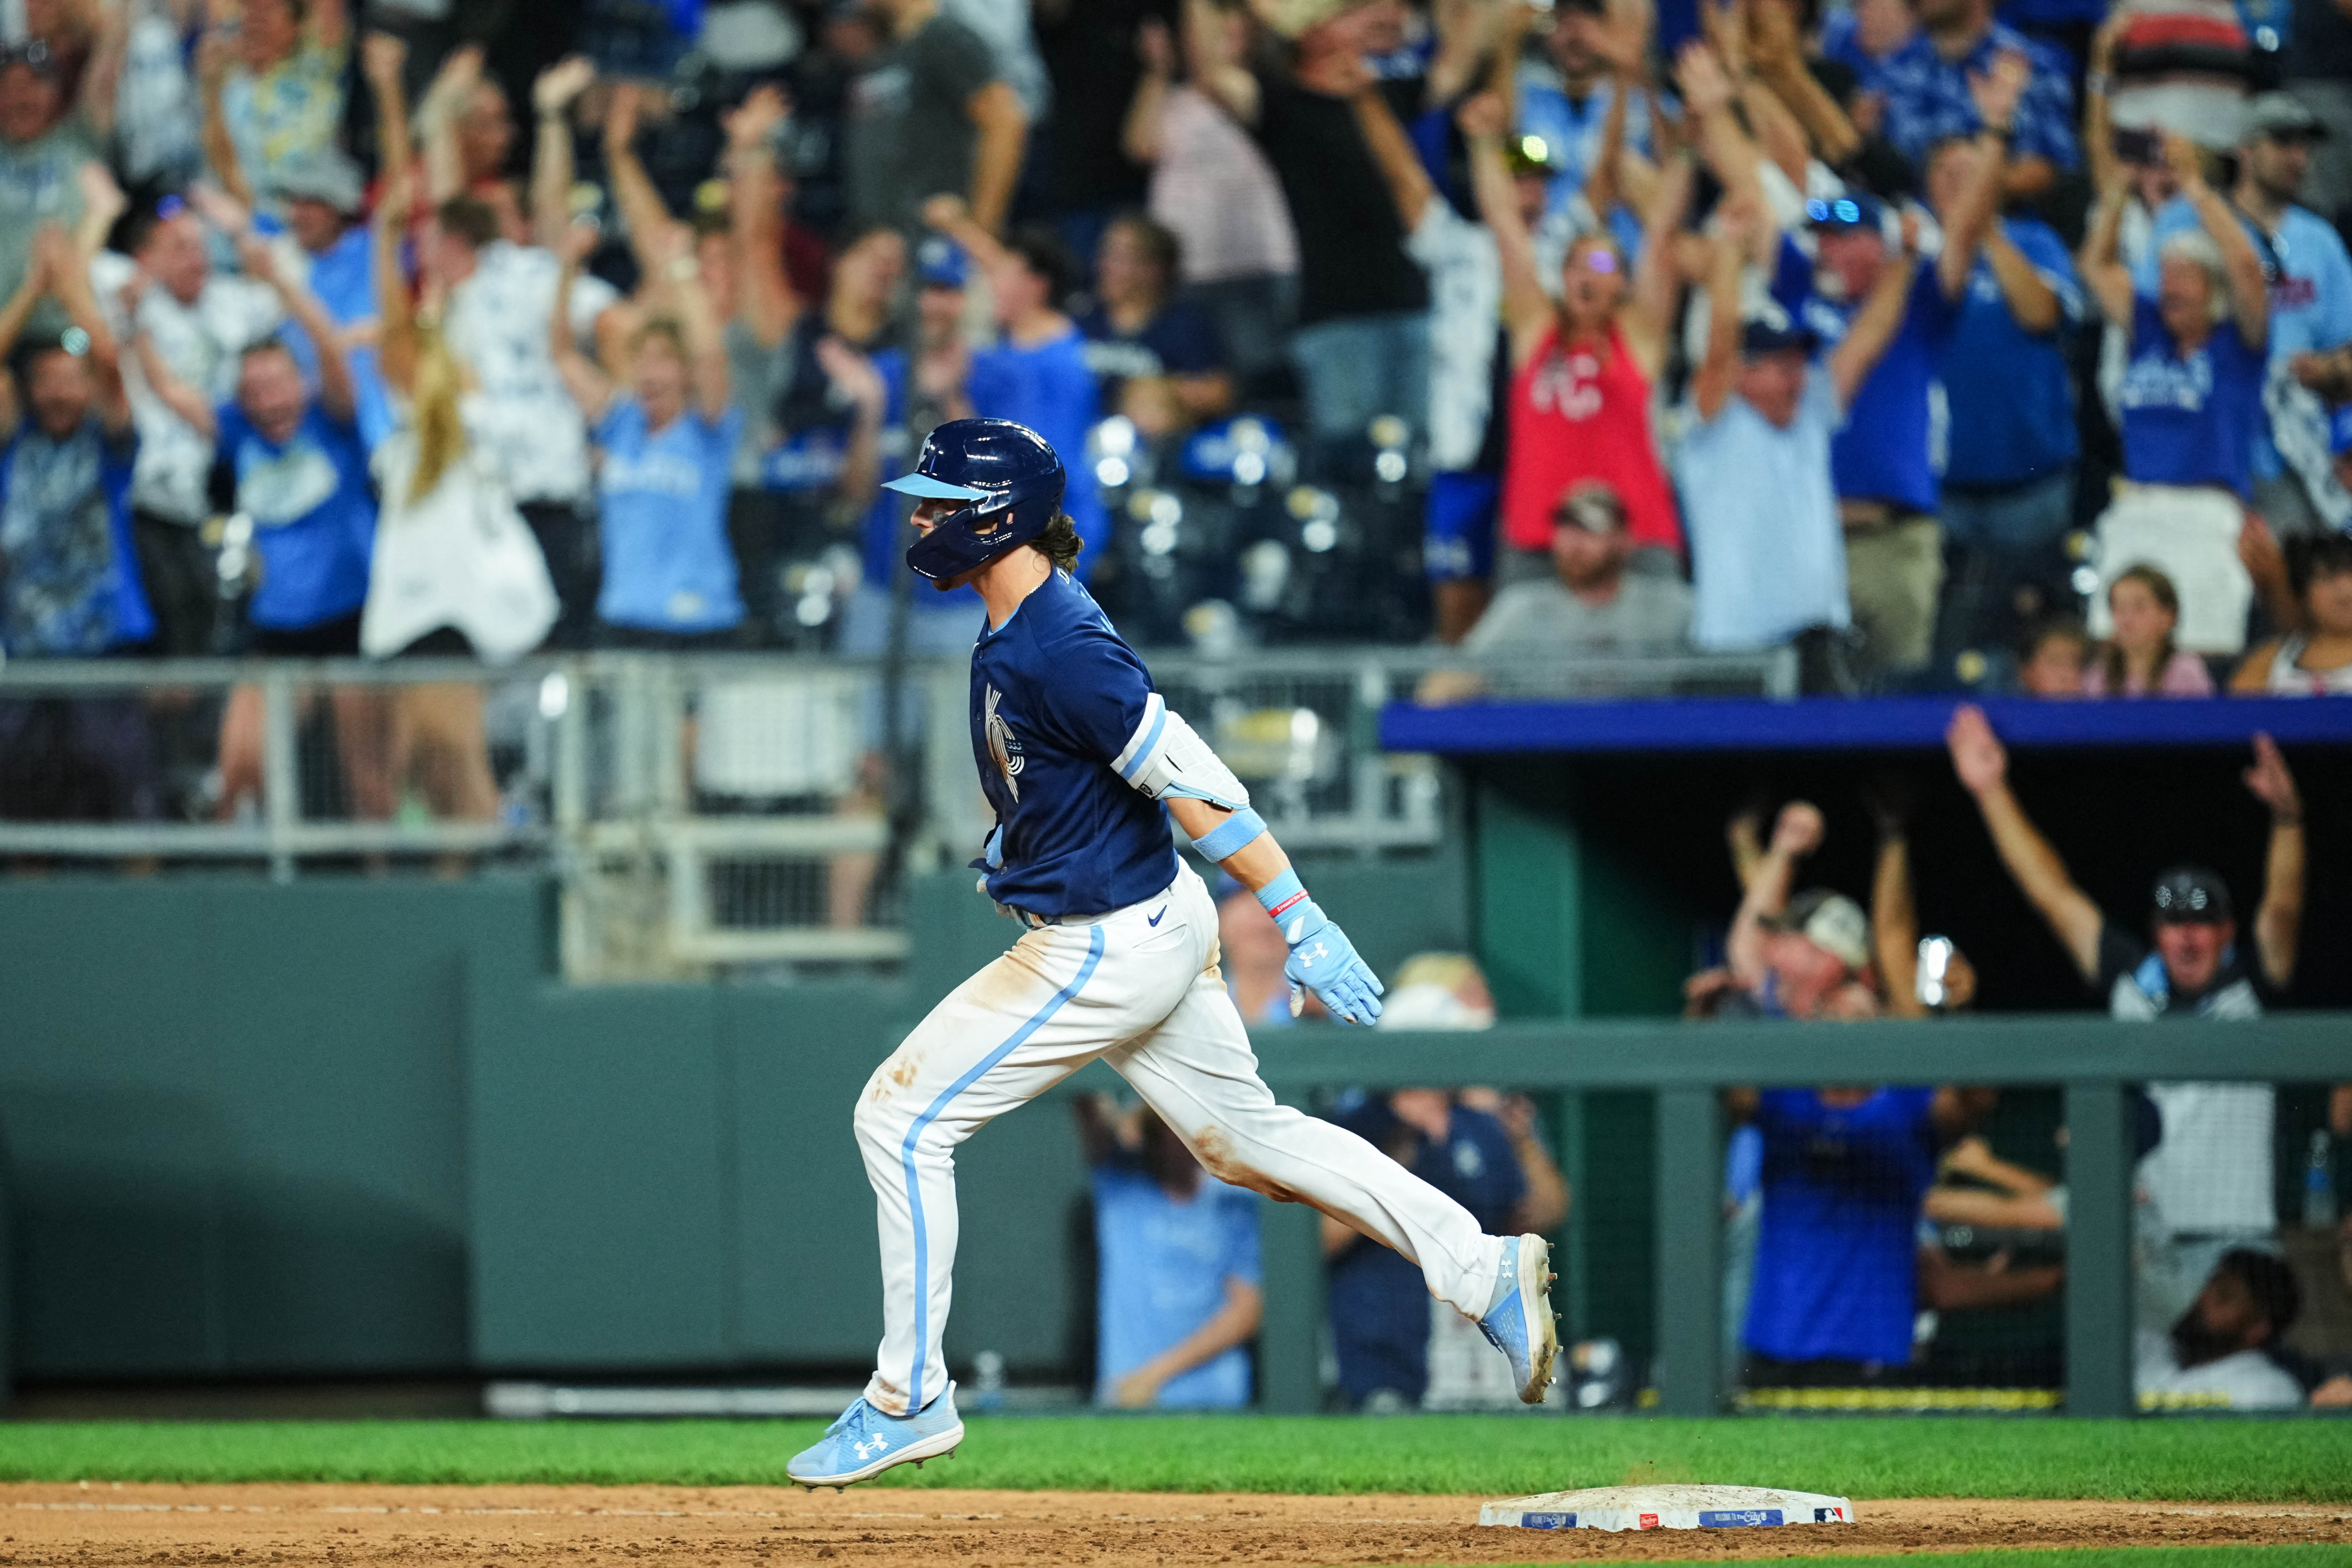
column 1003, row 744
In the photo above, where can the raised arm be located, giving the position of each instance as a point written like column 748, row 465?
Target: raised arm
column 1875, row 325
column 1156, row 48
column 337, row 394
column 102, row 202
column 642, row 212
column 67, row 268
column 1982, row 764
column 1409, row 184
column 2103, row 272
column 589, row 387
column 552, row 97
column 436, row 121
column 854, row 377
column 1894, row 910
column 101, row 74
column 1720, row 367
column 1796, row 834
column 396, row 330
column 2250, row 293
column 382, row 58
column 948, row 215
column 1003, row 126
column 2098, row 127
column 1212, row 64
column 1973, row 213
column 214, row 54
column 1729, row 151
column 2278, row 923
column 706, row 343
column 1657, row 286
column 13, row 314
column 1777, row 56
column 2033, row 303
column 764, row 299
column 1525, row 306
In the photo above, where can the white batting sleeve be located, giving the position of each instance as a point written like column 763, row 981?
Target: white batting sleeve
column 1164, row 757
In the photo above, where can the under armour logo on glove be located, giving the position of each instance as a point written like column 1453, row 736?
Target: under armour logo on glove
column 1322, row 959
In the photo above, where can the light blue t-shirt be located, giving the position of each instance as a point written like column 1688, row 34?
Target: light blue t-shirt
column 2311, row 290
column 1164, row 1263
column 1767, row 554
column 669, row 566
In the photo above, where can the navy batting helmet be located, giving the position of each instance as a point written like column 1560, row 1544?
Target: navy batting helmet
column 1009, row 474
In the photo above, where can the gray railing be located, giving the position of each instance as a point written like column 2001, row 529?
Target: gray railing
column 2092, row 1059
column 746, row 809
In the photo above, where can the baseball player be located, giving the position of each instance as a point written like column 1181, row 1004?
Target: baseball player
column 1085, row 764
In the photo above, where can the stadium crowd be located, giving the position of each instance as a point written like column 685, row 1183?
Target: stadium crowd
column 1955, row 350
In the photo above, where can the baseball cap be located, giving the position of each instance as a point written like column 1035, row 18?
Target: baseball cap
column 1856, row 209
column 2190, row 895
column 2282, row 117
column 1592, row 506
column 319, row 175
column 940, row 263
column 1766, row 329
column 1531, row 154
column 1831, row 921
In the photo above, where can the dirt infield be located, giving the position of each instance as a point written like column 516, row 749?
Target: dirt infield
column 353, row 1526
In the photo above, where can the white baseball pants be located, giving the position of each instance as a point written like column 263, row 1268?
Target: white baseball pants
column 1139, row 989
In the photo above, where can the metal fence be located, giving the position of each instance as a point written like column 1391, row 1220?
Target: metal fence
column 2110, row 1259
column 697, row 812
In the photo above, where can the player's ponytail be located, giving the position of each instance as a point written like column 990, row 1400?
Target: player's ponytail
column 1060, row 542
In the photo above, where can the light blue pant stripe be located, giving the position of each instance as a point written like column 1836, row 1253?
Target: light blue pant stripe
column 907, row 1150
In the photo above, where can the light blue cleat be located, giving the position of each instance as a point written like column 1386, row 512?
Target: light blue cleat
column 1521, row 1323
column 863, row 1443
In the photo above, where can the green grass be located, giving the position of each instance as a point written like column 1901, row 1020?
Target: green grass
column 2186, row 1459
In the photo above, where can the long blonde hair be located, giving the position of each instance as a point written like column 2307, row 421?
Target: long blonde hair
column 440, row 428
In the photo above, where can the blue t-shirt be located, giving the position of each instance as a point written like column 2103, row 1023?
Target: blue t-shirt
column 313, row 516
column 2013, row 403
column 1891, row 443
column 1164, row 1265
column 1928, row 100
column 69, row 574
column 2192, row 419
column 1380, row 1300
column 1049, row 389
column 1058, row 700
column 2310, row 289
column 669, row 566
column 1836, row 1250
column 1180, row 340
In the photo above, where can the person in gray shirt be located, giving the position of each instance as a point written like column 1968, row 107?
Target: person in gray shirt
column 1591, row 607
column 933, row 114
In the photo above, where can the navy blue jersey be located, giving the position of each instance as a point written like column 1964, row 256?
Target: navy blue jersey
column 1057, row 700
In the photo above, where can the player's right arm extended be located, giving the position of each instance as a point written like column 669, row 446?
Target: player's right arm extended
column 1166, row 760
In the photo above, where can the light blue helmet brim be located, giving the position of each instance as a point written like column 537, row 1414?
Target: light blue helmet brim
column 930, row 488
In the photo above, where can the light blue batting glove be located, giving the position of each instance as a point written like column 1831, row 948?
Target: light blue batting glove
column 1322, row 959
